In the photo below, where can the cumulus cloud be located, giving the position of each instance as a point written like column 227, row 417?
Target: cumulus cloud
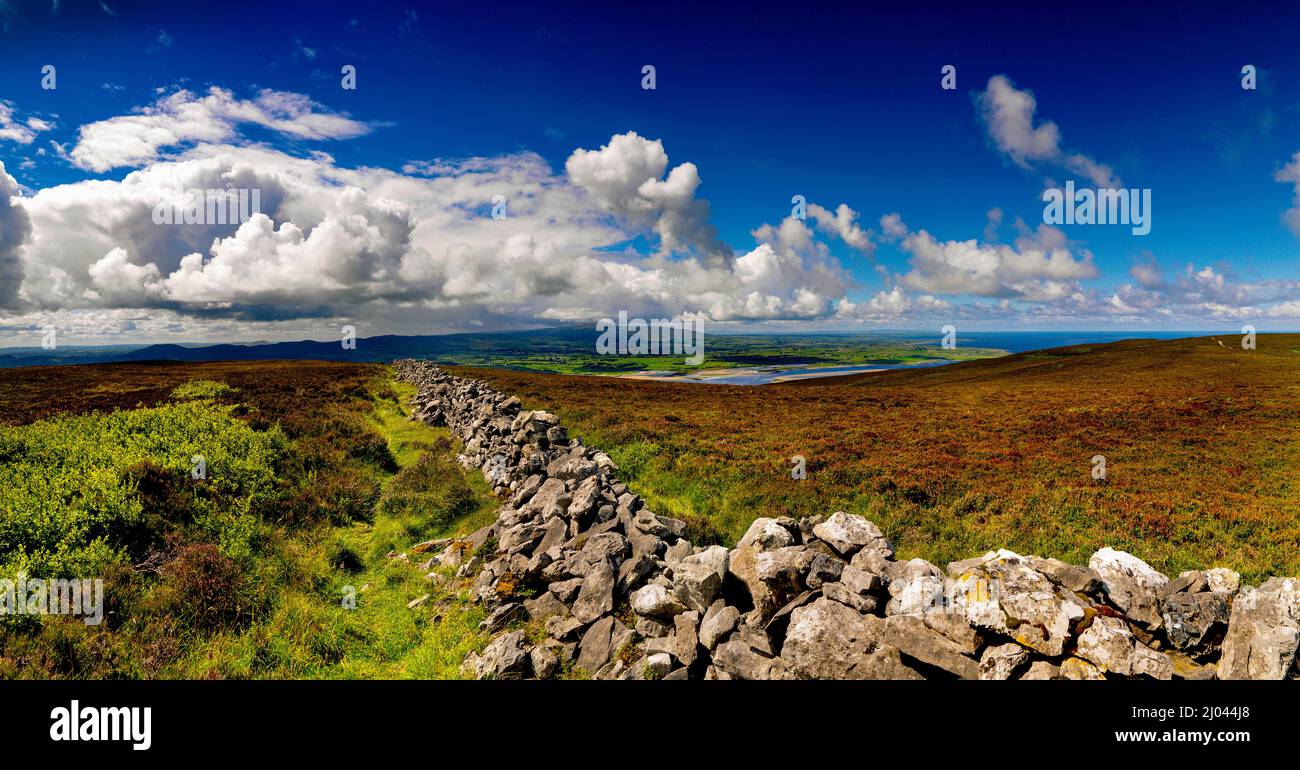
column 1038, row 267
column 1291, row 174
column 625, row 178
column 843, row 223
column 1009, row 115
column 405, row 251
column 185, row 118
column 15, row 228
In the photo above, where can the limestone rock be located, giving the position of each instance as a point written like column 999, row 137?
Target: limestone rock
column 1000, row 662
column 1263, row 632
column 827, row 640
column 766, row 534
column 1108, row 644
column 504, row 658
column 1130, row 584
column 596, row 597
column 718, row 625
column 848, row 534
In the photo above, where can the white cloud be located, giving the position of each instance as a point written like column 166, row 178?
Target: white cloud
column 843, row 222
column 15, row 229
column 1009, row 115
column 624, row 177
column 184, row 118
column 402, row 251
column 14, row 130
column 1038, row 267
column 1291, row 173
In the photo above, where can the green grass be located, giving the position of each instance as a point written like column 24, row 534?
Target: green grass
column 257, row 571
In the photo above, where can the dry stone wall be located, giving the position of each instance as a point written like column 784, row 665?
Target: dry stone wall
column 621, row 594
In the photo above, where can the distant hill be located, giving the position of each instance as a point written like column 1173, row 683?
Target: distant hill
column 368, row 350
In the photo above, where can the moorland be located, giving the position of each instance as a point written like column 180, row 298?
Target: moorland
column 1199, row 438
column 316, row 484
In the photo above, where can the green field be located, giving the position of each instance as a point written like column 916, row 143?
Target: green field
column 314, row 480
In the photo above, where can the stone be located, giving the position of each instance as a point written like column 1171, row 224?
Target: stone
column 596, row 597
column 848, row 534
column 1263, row 632
column 563, row 628
column 632, row 572
column 521, row 537
column 756, row 637
column 1149, row 662
column 1194, row 621
column 778, row 622
column 417, row 602
column 715, row 557
column 766, row 534
column 554, row 535
column 598, row 549
column 1222, row 580
column 1186, row 668
column 676, row 552
column 1130, row 584
column 544, row 606
column 786, row 567
column 738, row 661
column 1107, row 643
column 718, row 625
column 999, row 662
column 823, row 569
column 650, row 628
column 696, row 584
column 659, row 664
column 1041, row 669
column 551, row 499
column 1190, row 582
column 1005, row 595
column 827, row 640
column 859, row 581
column 646, row 522
column 916, row 640
column 687, row 637
column 596, row 646
column 504, row 658
column 841, row 593
column 655, row 601
column 544, row 661
column 743, row 567
column 503, row 616
column 572, row 469
column 1079, row 669
column 566, row 590
column 1077, row 579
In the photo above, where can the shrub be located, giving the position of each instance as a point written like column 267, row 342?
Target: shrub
column 203, row 589
column 84, row 492
column 202, row 390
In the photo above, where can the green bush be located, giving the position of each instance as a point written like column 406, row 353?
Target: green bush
column 81, row 493
column 202, row 390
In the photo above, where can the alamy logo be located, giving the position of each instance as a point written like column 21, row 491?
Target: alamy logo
column 209, row 207
column 35, row 596
column 103, row 723
column 1103, row 206
column 657, row 337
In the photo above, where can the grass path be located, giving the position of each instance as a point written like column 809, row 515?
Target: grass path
column 385, row 639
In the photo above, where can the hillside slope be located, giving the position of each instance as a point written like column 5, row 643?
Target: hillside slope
column 1199, row 439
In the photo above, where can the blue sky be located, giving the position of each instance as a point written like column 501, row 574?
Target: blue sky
column 842, row 105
